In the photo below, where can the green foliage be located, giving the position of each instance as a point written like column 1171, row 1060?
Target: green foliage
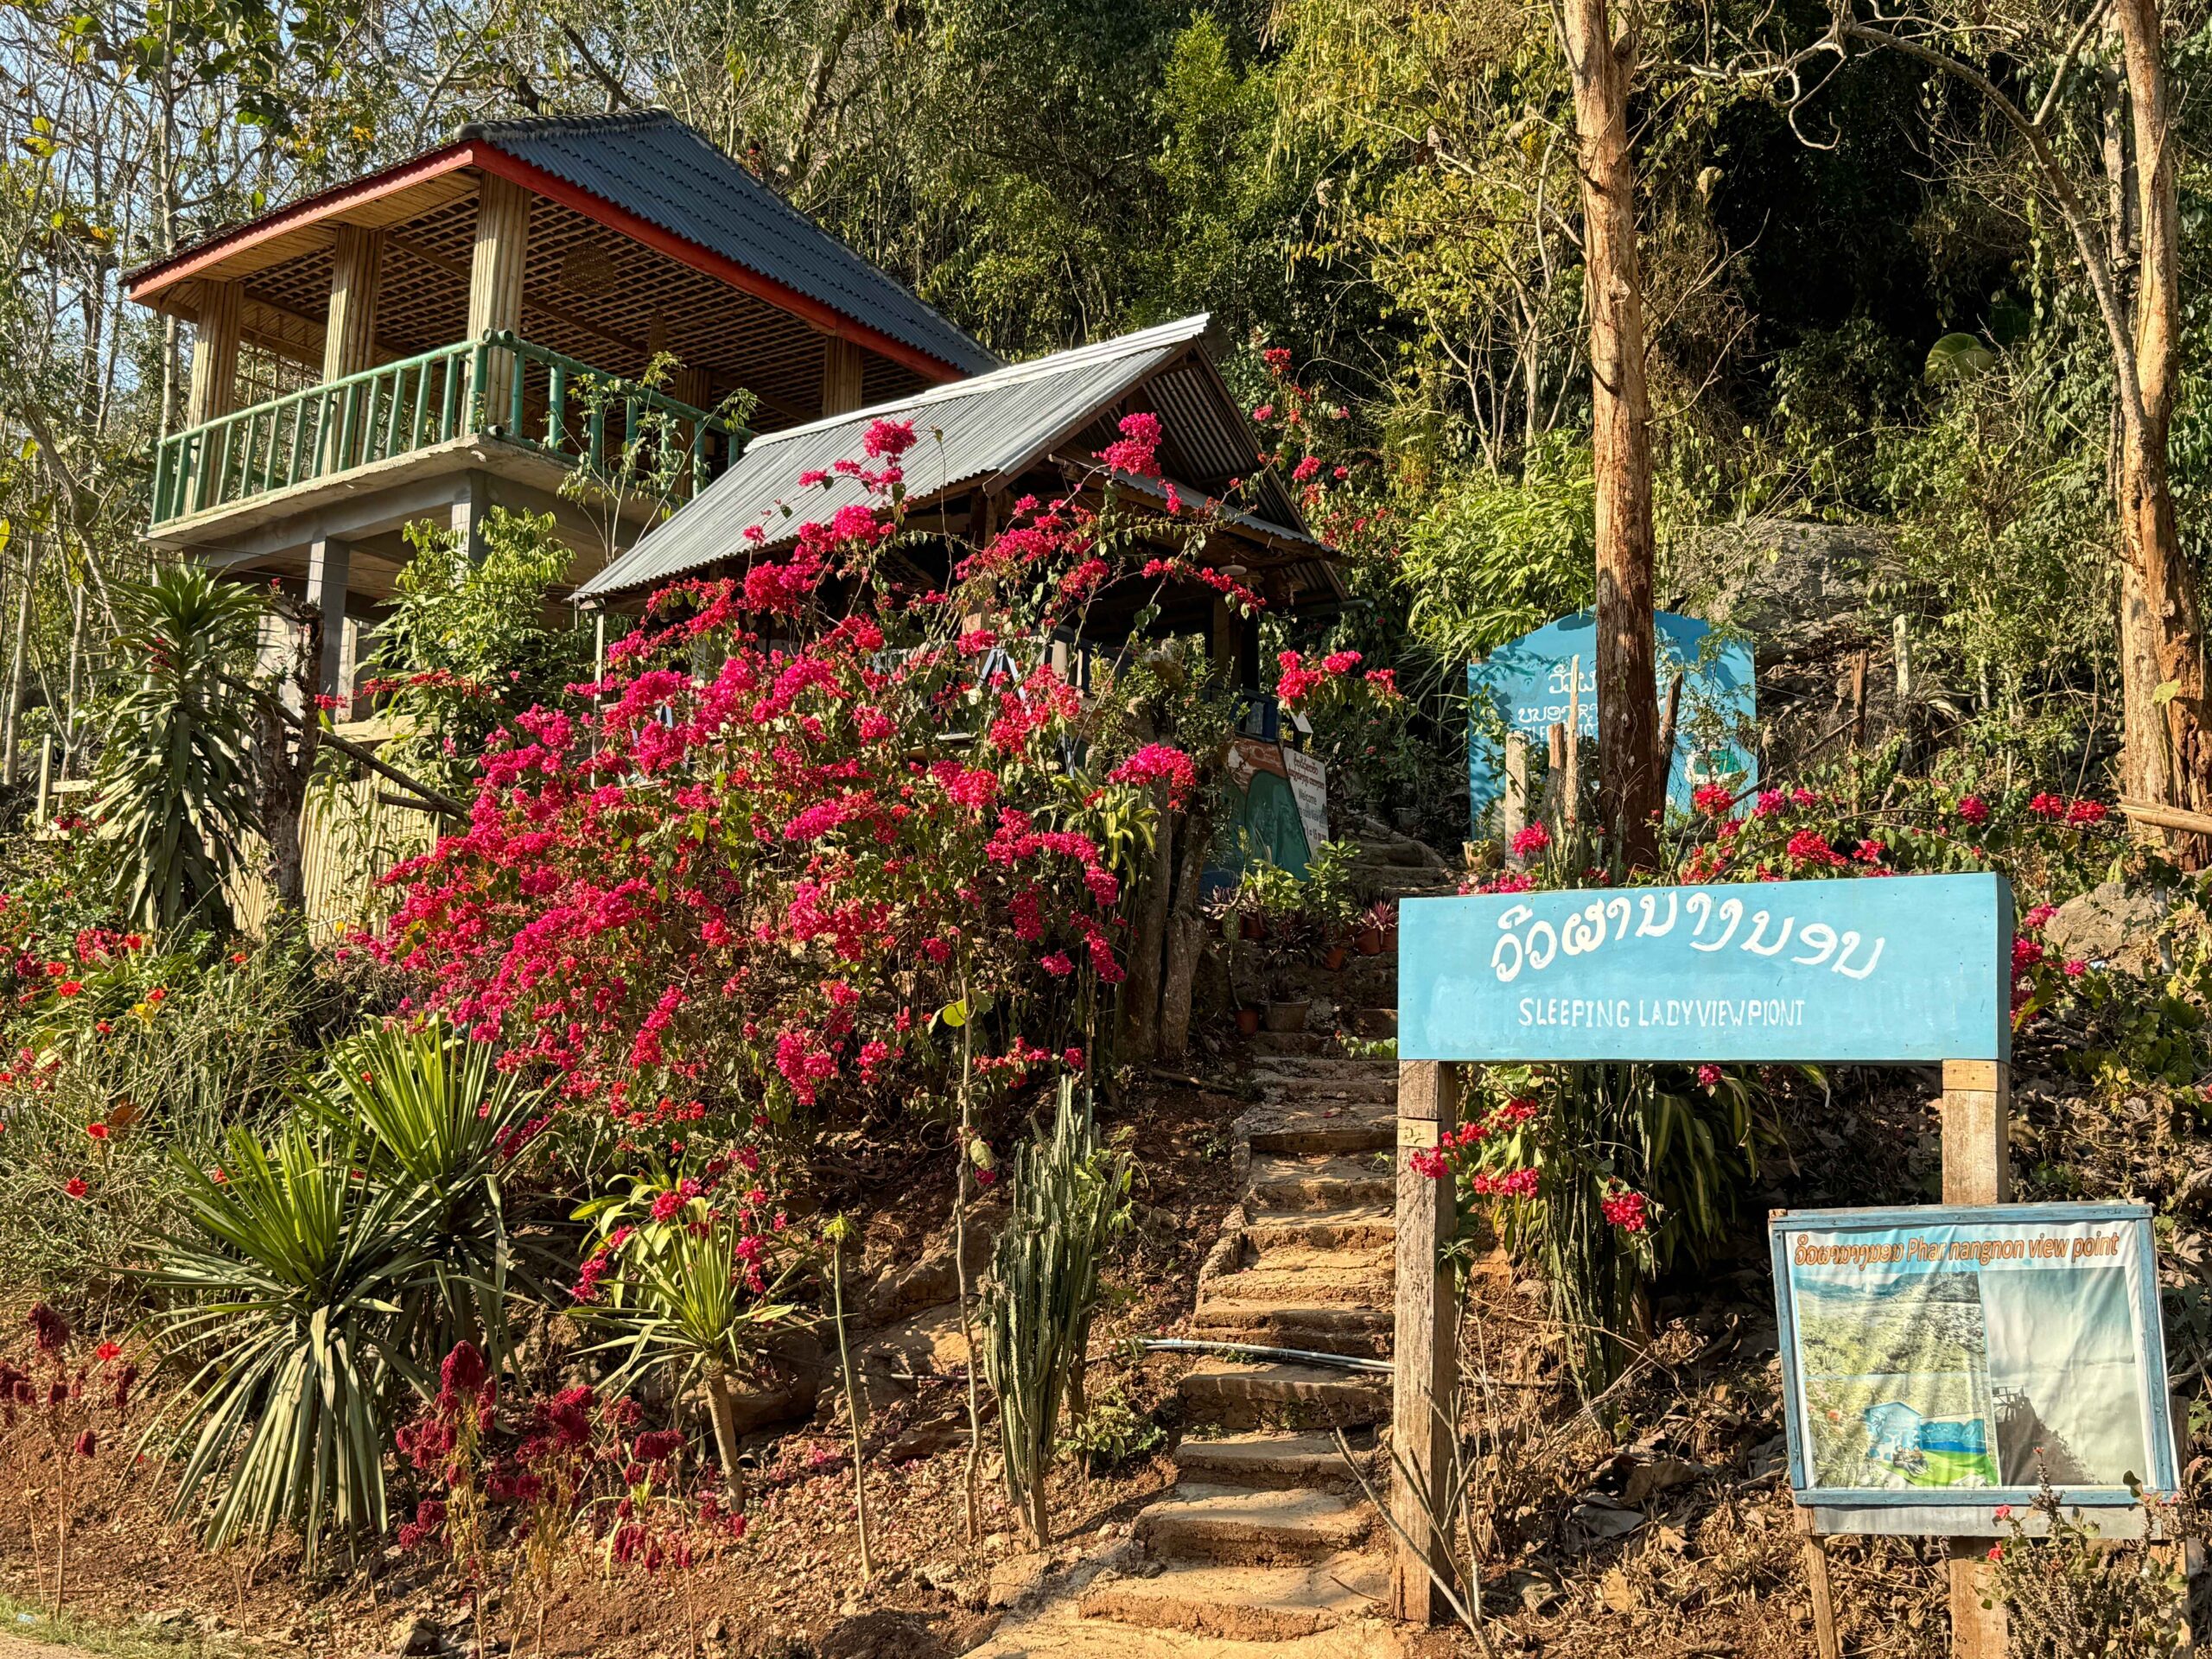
column 467, row 645
column 1332, row 897
column 441, row 1119
column 316, row 1277
column 1493, row 558
column 290, row 1275
column 2068, row 1594
column 158, row 1054
column 1108, row 1432
column 1070, row 1200
column 175, row 798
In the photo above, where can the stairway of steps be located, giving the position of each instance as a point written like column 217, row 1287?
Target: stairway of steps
column 1267, row 1538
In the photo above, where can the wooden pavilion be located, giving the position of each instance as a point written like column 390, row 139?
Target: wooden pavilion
column 467, row 328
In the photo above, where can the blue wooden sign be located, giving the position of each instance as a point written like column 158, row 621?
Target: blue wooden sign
column 1528, row 682
column 1910, row 969
column 1945, row 1361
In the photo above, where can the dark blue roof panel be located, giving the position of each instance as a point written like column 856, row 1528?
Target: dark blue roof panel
column 653, row 165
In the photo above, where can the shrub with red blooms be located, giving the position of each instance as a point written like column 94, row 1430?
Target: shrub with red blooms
column 813, row 819
column 520, row 1490
column 65, row 1401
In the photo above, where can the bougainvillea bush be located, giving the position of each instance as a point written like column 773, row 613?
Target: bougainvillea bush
column 829, row 841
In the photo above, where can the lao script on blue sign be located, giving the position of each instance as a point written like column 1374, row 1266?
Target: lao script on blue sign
column 1531, row 684
column 1937, row 1358
column 1905, row 968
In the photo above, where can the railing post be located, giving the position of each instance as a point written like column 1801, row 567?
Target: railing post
column 1425, row 1384
column 515, row 389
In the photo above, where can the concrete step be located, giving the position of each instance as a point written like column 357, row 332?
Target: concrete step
column 1302, row 1043
column 1372, row 1084
column 1059, row 1629
column 1275, row 1460
column 1320, row 1328
column 1283, row 1181
column 1242, row 1396
column 1324, row 1067
column 1303, row 1272
column 1247, row 1604
column 1271, row 1526
column 1322, row 1122
column 1351, row 1227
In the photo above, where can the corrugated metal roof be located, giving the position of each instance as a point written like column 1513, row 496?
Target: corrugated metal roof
column 656, row 166
column 968, row 430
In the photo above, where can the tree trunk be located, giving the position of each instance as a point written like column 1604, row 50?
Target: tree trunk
column 2166, row 753
column 721, row 1411
column 1186, row 936
column 1140, row 995
column 1631, row 775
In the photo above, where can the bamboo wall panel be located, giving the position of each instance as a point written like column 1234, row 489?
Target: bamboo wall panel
column 350, row 838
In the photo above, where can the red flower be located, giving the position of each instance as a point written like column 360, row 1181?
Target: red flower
column 108, row 1351
column 67, row 988
column 1530, row 839
column 1974, row 809
column 76, row 1186
column 1713, row 799
column 97, row 1131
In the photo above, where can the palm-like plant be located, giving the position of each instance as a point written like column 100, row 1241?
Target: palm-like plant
column 685, row 1303
column 290, row 1280
column 319, row 1277
column 174, row 799
column 438, row 1115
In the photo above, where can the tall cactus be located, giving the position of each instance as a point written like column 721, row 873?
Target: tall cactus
column 1070, row 1199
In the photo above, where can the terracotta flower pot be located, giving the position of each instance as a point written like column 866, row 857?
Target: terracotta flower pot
column 1286, row 1016
column 1255, row 927
column 1247, row 1022
column 1370, row 941
column 1334, row 957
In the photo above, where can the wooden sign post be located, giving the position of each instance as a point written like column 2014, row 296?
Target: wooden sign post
column 1913, row 970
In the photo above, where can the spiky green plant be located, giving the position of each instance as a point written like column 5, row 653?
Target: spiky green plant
column 1070, row 1199
column 289, row 1280
column 439, row 1117
column 175, row 797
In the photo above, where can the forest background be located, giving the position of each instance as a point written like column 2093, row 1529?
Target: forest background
column 1386, row 188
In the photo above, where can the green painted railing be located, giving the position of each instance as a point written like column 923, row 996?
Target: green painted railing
column 548, row 401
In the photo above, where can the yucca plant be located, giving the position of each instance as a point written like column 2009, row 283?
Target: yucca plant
column 1070, row 1199
column 696, row 1299
column 289, row 1280
column 175, row 798
column 438, row 1117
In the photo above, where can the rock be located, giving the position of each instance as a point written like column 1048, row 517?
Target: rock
column 1800, row 591
column 932, row 1279
column 413, row 1634
column 2110, row 925
column 941, row 1576
column 1016, row 1578
column 1536, row 1596
column 1600, row 1521
column 925, row 1440
column 884, row 1634
column 162, row 1619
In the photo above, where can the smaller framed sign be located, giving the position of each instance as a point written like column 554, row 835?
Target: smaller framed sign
column 1940, row 1359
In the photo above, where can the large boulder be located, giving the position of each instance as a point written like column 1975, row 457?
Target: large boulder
column 2112, row 926
column 1802, row 591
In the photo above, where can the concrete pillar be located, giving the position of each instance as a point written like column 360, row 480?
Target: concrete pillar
column 328, row 560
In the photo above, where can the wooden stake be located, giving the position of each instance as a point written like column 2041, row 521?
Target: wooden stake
column 1514, row 804
column 1977, row 1105
column 1425, row 1346
column 1816, row 1554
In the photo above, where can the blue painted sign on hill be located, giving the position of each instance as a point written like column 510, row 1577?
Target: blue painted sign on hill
column 1905, row 968
column 1529, row 682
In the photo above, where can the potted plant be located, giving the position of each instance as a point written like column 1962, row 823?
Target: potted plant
column 1328, row 898
column 1376, row 922
column 1234, row 922
column 1286, row 1011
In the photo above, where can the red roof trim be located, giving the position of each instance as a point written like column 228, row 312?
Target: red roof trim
column 804, row 305
column 150, row 280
